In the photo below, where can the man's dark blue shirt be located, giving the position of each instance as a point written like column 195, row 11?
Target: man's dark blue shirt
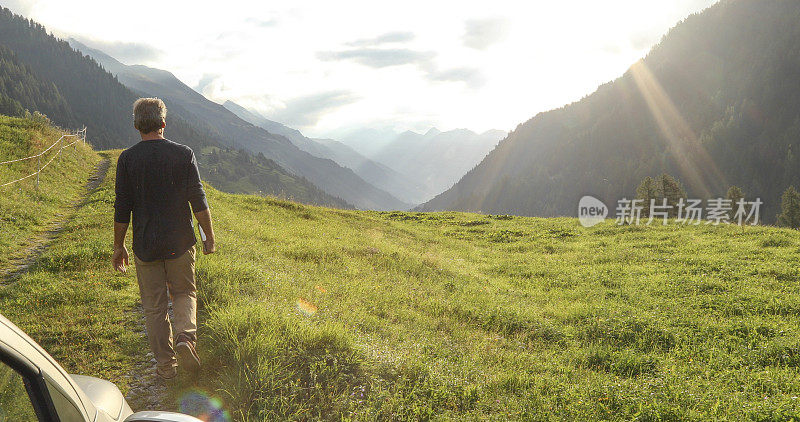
column 156, row 181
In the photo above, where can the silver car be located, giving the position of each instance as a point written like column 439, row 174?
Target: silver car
column 34, row 387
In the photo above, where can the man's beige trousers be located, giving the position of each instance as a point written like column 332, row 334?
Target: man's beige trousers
column 154, row 279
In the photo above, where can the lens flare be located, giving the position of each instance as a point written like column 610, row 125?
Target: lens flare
column 203, row 406
column 305, row 307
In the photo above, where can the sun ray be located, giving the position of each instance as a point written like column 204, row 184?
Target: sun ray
column 697, row 167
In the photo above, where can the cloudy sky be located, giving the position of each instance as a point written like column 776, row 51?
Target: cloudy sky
column 327, row 67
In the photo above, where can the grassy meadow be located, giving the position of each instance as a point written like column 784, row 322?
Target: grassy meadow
column 315, row 313
column 312, row 313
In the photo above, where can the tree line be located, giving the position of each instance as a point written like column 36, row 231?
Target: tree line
column 668, row 191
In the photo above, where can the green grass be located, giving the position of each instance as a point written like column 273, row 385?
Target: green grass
column 465, row 316
column 24, row 210
column 72, row 304
column 311, row 313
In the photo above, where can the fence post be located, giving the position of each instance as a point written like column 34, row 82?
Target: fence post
column 37, row 171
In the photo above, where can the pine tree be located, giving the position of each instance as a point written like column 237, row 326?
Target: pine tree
column 735, row 194
column 671, row 189
column 646, row 191
column 790, row 209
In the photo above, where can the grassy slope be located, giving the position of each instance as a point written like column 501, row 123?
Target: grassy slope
column 69, row 302
column 449, row 315
column 25, row 212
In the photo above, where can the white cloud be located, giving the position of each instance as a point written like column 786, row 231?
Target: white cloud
column 471, row 76
column 387, row 38
column 481, row 34
column 125, row 52
column 262, row 23
column 305, row 111
column 380, row 57
column 20, row 7
column 207, row 85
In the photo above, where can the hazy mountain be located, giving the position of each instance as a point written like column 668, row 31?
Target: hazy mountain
column 401, row 185
column 232, row 130
column 716, row 103
column 261, row 121
column 436, row 160
column 414, row 167
column 367, row 141
column 375, row 173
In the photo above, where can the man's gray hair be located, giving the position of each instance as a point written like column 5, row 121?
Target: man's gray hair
column 148, row 114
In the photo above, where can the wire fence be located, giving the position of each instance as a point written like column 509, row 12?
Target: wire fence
column 77, row 137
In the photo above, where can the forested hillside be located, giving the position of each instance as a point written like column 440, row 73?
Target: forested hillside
column 21, row 90
column 41, row 73
column 238, row 171
column 716, row 103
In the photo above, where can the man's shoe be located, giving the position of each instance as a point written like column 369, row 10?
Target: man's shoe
column 167, row 373
column 186, row 353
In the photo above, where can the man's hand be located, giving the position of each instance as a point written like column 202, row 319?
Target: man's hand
column 206, row 229
column 120, row 259
column 209, row 246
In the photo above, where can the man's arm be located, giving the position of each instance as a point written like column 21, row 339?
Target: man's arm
column 197, row 199
column 123, row 205
column 120, row 256
column 204, row 220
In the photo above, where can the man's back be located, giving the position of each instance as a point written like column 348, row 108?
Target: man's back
column 157, row 180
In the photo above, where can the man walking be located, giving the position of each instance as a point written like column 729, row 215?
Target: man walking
column 157, row 180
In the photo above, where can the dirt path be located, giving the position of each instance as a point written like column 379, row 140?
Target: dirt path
column 145, row 390
column 42, row 241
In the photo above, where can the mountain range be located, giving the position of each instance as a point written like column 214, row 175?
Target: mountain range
column 716, row 103
column 232, row 130
column 377, row 174
column 411, row 166
column 436, row 160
